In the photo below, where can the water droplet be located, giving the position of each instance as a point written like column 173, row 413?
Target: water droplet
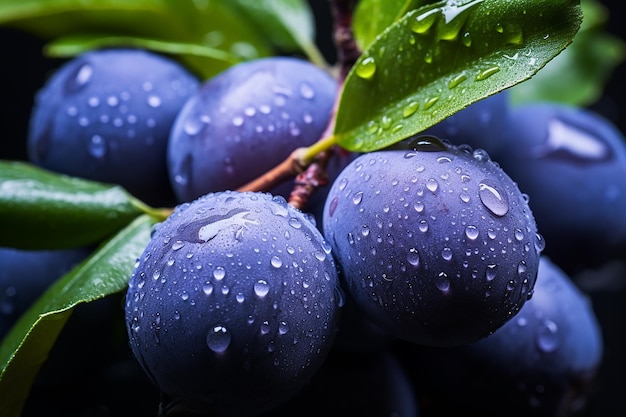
column 427, row 143
column 495, row 201
column 218, row 339
column 446, row 254
column 521, row 268
column 81, row 77
column 276, row 262
column 283, row 328
column 471, row 232
column 410, row 109
column 357, row 198
column 177, row 245
column 442, row 282
column 466, row 39
column 540, row 243
column 486, row 73
column 261, row 288
column 366, row 68
column 430, row 102
column 455, row 15
column 154, row 101
column 295, row 223
column 237, row 121
column 97, row 147
column 432, row 184
column 490, row 274
column 423, row 226
column 306, row 91
column 194, row 125
column 413, row 257
column 456, row 80
column 93, row 101
column 207, row 288
column 112, row 101
column 423, row 22
column 219, row 273
column 547, row 336
column 320, row 255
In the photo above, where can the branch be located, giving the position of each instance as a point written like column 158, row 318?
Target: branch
column 347, row 49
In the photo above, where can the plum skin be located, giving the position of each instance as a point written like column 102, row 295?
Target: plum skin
column 571, row 161
column 237, row 323
column 26, row 274
column 479, row 125
column 543, row 362
column 246, row 120
column 106, row 115
column 425, row 249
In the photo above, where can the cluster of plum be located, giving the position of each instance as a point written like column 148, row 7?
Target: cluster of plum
column 420, row 270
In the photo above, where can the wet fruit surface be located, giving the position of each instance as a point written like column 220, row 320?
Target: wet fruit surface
column 245, row 121
column 543, row 362
column 106, row 115
column 572, row 163
column 436, row 243
column 233, row 305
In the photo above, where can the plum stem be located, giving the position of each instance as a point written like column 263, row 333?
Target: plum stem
column 287, row 169
column 159, row 214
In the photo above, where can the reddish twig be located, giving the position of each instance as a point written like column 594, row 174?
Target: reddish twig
column 347, row 49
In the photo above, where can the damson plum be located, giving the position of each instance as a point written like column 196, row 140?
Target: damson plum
column 233, row 305
column 543, row 362
column 245, row 121
column 572, row 163
column 106, row 115
column 26, row 274
column 436, row 243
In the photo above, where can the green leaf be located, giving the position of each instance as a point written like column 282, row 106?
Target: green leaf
column 44, row 210
column 440, row 58
column 203, row 24
column 200, row 59
column 588, row 63
column 288, row 24
column 371, row 17
column 26, row 346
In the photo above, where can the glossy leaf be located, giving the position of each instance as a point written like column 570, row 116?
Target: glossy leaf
column 588, row 63
column 44, row 210
column 26, row 346
column 209, row 25
column 440, row 58
column 288, row 24
column 371, row 17
column 200, row 59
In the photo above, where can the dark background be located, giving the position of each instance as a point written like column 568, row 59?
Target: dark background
column 23, row 70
